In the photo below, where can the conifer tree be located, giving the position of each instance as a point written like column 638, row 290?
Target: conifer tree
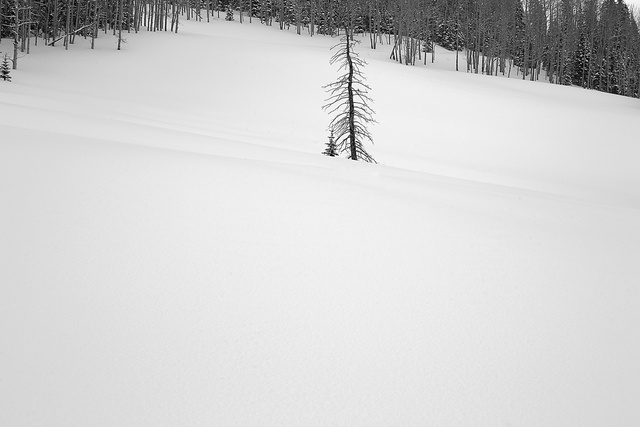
column 5, row 70
column 330, row 147
column 349, row 100
column 229, row 16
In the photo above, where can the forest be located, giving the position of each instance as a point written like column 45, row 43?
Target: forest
column 593, row 44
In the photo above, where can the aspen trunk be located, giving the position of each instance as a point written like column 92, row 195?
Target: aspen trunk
column 16, row 33
column 120, row 18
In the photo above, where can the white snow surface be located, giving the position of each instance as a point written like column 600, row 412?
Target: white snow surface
column 174, row 251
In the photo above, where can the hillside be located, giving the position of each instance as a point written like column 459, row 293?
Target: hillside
column 175, row 251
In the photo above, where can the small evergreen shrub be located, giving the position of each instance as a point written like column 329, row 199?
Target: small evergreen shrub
column 331, row 149
column 5, row 71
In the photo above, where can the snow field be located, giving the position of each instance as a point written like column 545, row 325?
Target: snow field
column 175, row 251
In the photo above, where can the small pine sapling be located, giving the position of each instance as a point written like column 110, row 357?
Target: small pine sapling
column 331, row 149
column 5, row 71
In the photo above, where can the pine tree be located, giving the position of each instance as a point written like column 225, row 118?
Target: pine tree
column 330, row 147
column 448, row 36
column 349, row 99
column 5, row 70
column 229, row 16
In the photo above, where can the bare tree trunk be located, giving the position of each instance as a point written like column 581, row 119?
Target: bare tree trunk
column 120, row 19
column 16, row 34
column 67, row 26
column 94, row 33
column 352, row 108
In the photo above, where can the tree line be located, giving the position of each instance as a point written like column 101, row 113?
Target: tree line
column 590, row 43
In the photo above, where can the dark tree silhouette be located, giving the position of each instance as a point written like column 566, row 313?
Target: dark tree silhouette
column 330, row 147
column 229, row 16
column 5, row 71
column 350, row 102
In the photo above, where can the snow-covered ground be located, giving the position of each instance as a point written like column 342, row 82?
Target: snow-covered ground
column 175, row 251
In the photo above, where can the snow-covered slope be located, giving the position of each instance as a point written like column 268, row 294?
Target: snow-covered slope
column 174, row 250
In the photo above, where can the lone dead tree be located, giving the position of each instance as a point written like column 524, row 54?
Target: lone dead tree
column 349, row 101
